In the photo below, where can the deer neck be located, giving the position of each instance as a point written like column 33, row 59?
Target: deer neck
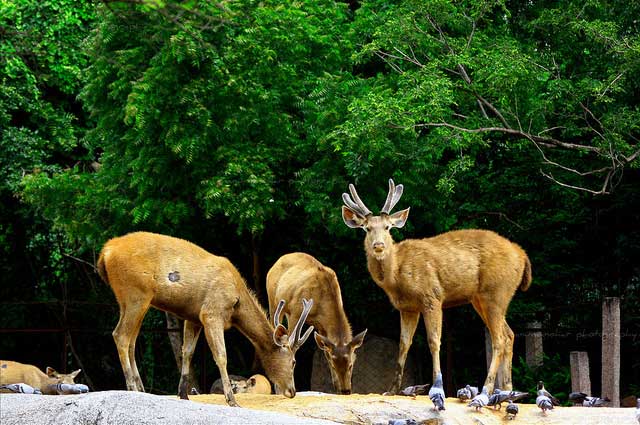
column 251, row 320
column 383, row 270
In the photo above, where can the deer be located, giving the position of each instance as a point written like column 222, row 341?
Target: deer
column 423, row 276
column 151, row 270
column 14, row 373
column 298, row 276
column 256, row 384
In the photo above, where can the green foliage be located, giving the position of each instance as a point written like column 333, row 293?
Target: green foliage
column 554, row 372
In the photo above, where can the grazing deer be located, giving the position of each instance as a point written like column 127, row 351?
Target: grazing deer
column 14, row 373
column 423, row 276
column 298, row 276
column 171, row 274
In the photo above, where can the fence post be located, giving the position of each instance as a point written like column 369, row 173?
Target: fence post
column 533, row 343
column 580, row 381
column 611, row 350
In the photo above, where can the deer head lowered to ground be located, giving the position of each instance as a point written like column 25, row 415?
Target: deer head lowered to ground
column 423, row 276
column 171, row 274
column 298, row 276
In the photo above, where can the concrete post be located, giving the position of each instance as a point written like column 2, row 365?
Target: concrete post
column 611, row 350
column 580, row 381
column 533, row 344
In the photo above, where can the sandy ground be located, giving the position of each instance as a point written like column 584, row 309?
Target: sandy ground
column 377, row 409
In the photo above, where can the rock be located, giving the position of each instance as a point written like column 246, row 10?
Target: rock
column 373, row 372
column 126, row 407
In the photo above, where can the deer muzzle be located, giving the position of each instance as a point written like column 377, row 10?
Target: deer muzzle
column 290, row 393
column 378, row 247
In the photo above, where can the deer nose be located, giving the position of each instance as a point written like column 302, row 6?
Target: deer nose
column 378, row 246
column 345, row 392
column 290, row 393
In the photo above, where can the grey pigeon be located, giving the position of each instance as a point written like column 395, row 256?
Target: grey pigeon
column 414, row 390
column 436, row 393
column 498, row 397
column 577, row 397
column 638, row 410
column 546, row 393
column 21, row 388
column 512, row 410
column 194, row 391
column 481, row 400
column 402, row 422
column 544, row 402
column 595, row 401
column 467, row 393
column 63, row 389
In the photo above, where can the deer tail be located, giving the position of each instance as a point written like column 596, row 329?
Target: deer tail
column 526, row 275
column 102, row 270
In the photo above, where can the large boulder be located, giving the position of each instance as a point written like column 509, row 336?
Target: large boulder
column 125, row 407
column 373, row 372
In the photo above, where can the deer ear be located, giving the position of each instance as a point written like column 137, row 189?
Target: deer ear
column 280, row 337
column 323, row 343
column 75, row 373
column 357, row 340
column 399, row 218
column 251, row 381
column 51, row 372
column 352, row 218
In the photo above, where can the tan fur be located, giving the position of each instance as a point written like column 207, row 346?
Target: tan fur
column 14, row 373
column 257, row 384
column 298, row 275
column 171, row 274
column 423, row 276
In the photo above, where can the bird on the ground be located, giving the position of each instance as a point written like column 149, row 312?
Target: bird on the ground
column 436, row 393
column 194, row 391
column 498, row 397
column 577, row 397
column 541, row 387
column 544, row 402
column 467, row 393
column 21, row 388
column 414, row 390
column 402, row 422
column 480, row 400
column 63, row 389
column 638, row 410
column 512, row 410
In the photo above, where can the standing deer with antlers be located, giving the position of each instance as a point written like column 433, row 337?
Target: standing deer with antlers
column 171, row 274
column 298, row 276
column 423, row 276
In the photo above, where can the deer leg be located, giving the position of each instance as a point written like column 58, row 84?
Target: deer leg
column 433, row 323
column 493, row 318
column 124, row 335
column 507, row 358
column 190, row 340
column 214, row 331
column 408, row 324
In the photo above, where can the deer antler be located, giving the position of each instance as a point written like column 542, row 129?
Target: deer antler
column 358, row 206
column 295, row 341
column 395, row 192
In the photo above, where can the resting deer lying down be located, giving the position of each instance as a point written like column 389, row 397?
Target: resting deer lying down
column 423, row 276
column 171, row 274
column 298, row 276
column 14, row 373
column 257, row 384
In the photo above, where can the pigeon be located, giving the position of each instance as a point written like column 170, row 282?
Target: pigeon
column 512, row 410
column 544, row 401
column 498, row 397
column 414, row 390
column 402, row 422
column 467, row 393
column 481, row 400
column 21, row 388
column 638, row 410
column 577, row 397
column 595, row 401
column 546, row 393
column 63, row 389
column 436, row 393
column 194, row 391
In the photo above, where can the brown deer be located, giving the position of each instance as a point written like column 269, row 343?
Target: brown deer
column 171, row 274
column 423, row 276
column 14, row 373
column 298, row 276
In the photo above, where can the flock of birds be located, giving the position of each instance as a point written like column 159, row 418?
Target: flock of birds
column 544, row 400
